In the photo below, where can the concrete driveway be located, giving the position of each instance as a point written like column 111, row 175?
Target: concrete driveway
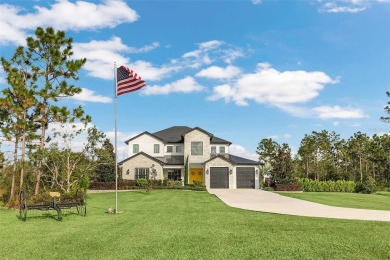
column 259, row 200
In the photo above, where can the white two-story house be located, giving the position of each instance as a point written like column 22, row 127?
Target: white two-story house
column 207, row 157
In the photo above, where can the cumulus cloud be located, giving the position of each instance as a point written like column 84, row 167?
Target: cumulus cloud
column 241, row 151
column 209, row 52
column 63, row 15
column 88, row 95
column 122, row 148
column 347, row 6
column 270, row 86
column 326, row 112
column 215, row 72
column 185, row 85
column 101, row 54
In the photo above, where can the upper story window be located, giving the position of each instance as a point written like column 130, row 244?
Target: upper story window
column 169, row 148
column 178, row 149
column 196, row 148
column 135, row 148
column 156, row 148
column 213, row 149
column 222, row 149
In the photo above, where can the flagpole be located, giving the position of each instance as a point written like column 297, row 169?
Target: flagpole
column 116, row 140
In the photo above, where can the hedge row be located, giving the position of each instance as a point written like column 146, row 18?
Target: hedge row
column 332, row 186
column 142, row 184
column 288, row 187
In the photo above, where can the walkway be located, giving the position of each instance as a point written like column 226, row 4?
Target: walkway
column 259, row 200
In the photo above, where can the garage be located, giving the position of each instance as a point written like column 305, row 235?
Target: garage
column 219, row 177
column 245, row 177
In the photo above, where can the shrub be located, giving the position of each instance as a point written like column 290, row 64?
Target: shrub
column 366, row 187
column 309, row 185
column 288, row 187
column 198, row 183
column 142, row 182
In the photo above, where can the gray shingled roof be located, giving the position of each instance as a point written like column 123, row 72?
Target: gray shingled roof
column 175, row 134
column 236, row 160
column 172, row 134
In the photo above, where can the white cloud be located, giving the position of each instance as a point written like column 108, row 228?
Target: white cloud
column 336, row 123
column 122, row 148
column 326, row 112
column 215, row 72
column 270, row 86
column 344, row 6
column 209, row 52
column 256, row 2
column 146, row 48
column 76, row 144
column 88, row 95
column 185, row 85
column 63, row 15
column 101, row 55
column 241, row 151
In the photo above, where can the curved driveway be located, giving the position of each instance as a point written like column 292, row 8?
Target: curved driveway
column 260, row 200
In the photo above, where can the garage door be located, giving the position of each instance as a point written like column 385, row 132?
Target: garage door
column 245, row 177
column 219, row 177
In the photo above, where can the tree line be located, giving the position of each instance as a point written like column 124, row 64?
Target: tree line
column 324, row 156
column 39, row 76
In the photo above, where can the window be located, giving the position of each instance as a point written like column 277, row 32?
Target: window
column 135, row 148
column 174, row 174
column 222, row 149
column 156, row 148
column 169, row 148
column 213, row 149
column 141, row 173
column 178, row 149
column 196, row 148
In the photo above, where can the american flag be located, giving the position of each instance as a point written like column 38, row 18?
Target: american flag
column 128, row 81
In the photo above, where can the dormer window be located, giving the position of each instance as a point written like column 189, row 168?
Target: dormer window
column 178, row 149
column 222, row 149
column 169, row 148
column 213, row 149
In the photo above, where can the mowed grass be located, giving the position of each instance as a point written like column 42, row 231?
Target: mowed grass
column 187, row 225
column 380, row 201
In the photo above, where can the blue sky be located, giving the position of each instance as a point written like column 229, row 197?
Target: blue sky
column 242, row 70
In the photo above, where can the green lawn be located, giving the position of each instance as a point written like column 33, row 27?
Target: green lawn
column 187, row 225
column 380, row 201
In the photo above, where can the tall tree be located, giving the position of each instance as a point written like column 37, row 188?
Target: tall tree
column 105, row 170
column 18, row 100
column 49, row 58
column 16, row 105
column 283, row 166
column 358, row 145
column 306, row 152
column 387, row 110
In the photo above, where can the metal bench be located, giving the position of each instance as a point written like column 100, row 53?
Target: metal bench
column 77, row 202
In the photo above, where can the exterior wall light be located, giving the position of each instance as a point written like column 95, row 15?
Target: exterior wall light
column 257, row 172
column 230, row 171
column 207, row 171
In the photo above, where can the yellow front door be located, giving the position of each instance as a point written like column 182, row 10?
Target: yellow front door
column 196, row 174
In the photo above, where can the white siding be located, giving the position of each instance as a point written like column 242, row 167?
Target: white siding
column 174, row 149
column 218, row 146
column 146, row 144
